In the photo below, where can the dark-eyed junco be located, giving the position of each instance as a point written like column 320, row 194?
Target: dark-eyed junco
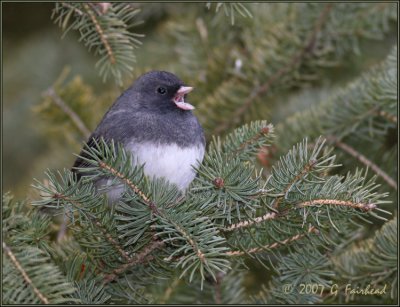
column 154, row 122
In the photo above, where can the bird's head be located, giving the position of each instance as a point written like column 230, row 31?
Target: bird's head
column 161, row 90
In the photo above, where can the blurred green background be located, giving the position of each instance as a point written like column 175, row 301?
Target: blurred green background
column 34, row 55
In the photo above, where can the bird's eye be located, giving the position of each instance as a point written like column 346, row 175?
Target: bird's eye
column 161, row 90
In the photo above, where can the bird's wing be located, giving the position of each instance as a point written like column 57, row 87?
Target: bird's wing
column 81, row 163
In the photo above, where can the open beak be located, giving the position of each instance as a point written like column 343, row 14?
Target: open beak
column 179, row 98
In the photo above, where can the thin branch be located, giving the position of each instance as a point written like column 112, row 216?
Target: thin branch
column 312, row 229
column 218, row 290
column 169, row 290
column 153, row 206
column 273, row 215
column 63, row 228
column 16, row 263
column 307, row 168
column 265, row 217
column 141, row 257
column 67, row 110
column 263, row 131
column 345, row 203
column 199, row 253
column 112, row 240
column 134, row 187
column 364, row 160
column 296, row 59
column 101, row 34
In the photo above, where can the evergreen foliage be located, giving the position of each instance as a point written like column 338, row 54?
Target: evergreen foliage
column 26, row 261
column 363, row 114
column 288, row 198
column 283, row 47
column 103, row 27
column 230, row 9
column 376, row 257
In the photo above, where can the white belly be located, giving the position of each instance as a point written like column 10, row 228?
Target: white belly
column 172, row 162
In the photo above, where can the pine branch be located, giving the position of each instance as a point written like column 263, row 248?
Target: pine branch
column 142, row 257
column 100, row 31
column 159, row 213
column 128, row 290
column 301, row 162
column 191, row 235
column 302, row 265
column 227, row 184
column 97, row 223
column 73, row 195
column 305, row 171
column 316, row 202
column 169, row 290
column 26, row 271
column 263, row 89
column 68, row 111
column 311, row 229
column 104, row 30
column 189, row 239
column 24, row 274
column 354, row 112
column 203, row 248
column 247, row 223
column 373, row 261
column 112, row 241
column 217, row 285
column 364, row 160
column 91, row 292
column 247, row 140
column 353, row 194
column 74, row 9
column 230, row 12
column 131, row 185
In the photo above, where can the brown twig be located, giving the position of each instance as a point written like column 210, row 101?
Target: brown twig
column 296, row 59
column 345, row 203
column 67, row 110
column 364, row 160
column 218, row 290
column 141, row 257
column 101, row 33
column 169, row 290
column 265, row 217
column 27, row 279
column 312, row 229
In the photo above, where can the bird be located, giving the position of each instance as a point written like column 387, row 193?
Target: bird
column 153, row 121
